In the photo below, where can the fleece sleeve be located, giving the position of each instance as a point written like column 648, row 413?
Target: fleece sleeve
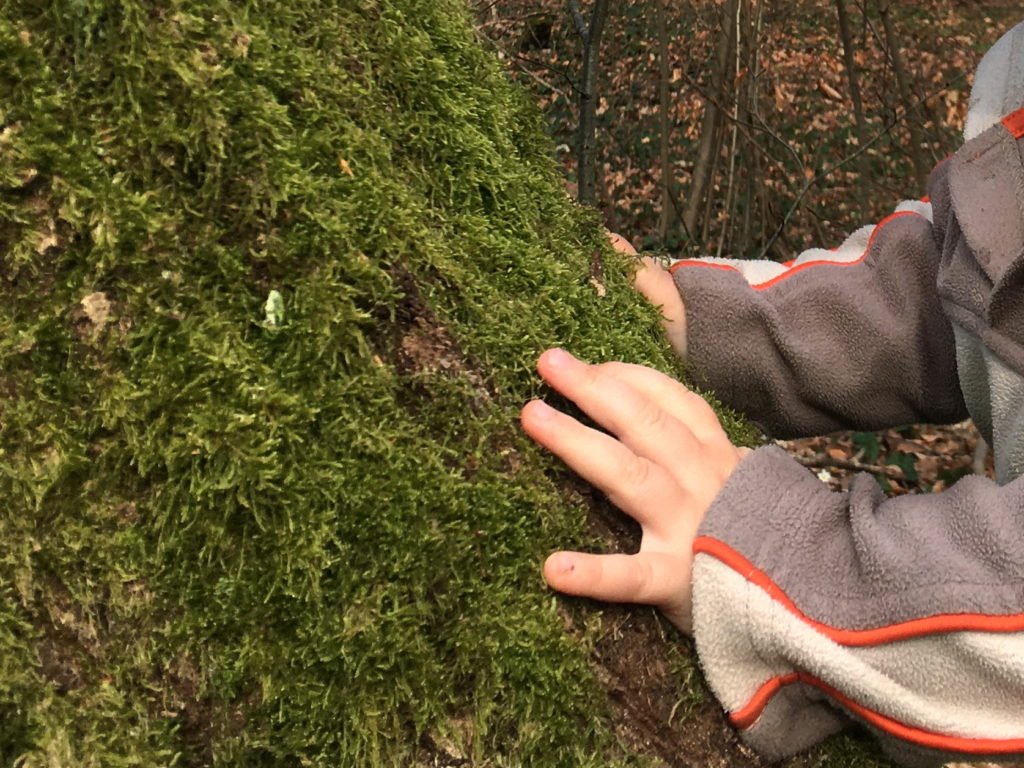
column 851, row 338
column 813, row 609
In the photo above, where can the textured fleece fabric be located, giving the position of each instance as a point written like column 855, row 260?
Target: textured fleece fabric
column 998, row 84
column 813, row 609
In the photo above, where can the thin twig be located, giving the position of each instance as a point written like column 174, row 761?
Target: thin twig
column 484, row 9
column 747, row 127
column 550, row 86
column 729, row 199
column 549, row 67
column 580, row 23
column 845, row 161
column 898, row 117
column 674, row 198
column 827, row 462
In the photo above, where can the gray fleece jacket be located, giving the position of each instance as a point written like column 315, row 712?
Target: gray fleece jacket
column 813, row 609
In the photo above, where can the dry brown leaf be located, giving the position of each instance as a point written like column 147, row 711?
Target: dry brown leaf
column 829, row 91
column 241, row 42
column 48, row 240
column 909, row 446
column 97, row 308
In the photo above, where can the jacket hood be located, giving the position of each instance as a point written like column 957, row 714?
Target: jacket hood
column 998, row 84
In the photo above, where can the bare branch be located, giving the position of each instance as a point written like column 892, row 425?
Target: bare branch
column 541, row 81
column 850, row 60
column 849, row 158
column 555, row 70
column 827, row 462
column 586, row 141
column 579, row 22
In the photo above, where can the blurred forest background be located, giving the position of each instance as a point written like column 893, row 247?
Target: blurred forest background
column 752, row 129
column 772, row 141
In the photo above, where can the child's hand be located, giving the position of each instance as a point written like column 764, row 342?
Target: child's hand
column 669, row 462
column 655, row 282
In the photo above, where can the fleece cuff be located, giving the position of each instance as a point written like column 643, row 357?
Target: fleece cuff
column 734, row 622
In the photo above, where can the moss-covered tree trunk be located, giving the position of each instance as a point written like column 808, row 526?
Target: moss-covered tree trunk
column 273, row 277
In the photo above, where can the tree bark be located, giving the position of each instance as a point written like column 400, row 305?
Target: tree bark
column 858, row 105
column 669, row 215
column 739, row 110
column 586, row 141
column 703, row 170
column 917, row 155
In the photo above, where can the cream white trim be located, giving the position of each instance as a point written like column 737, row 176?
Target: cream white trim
column 994, row 393
column 757, row 271
column 998, row 84
column 963, row 684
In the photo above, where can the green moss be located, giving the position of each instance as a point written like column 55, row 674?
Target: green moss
column 312, row 541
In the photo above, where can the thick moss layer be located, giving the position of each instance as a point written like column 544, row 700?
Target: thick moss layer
column 295, row 528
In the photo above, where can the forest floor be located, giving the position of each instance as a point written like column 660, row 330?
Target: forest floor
column 804, row 89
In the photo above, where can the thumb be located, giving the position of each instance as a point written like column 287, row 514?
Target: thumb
column 657, row 285
column 621, row 244
column 649, row 578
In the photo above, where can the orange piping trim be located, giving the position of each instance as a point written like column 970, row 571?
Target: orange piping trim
column 857, row 638
column 747, row 716
column 699, row 263
column 1014, row 123
column 800, row 267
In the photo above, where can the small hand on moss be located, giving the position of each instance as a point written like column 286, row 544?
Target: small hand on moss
column 656, row 284
column 664, row 463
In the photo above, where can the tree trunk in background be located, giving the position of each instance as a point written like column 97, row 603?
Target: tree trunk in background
column 734, row 133
column 858, row 105
column 754, row 168
column 669, row 214
column 710, row 139
column 910, row 107
column 586, row 141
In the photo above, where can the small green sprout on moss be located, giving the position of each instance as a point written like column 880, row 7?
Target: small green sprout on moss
column 274, row 310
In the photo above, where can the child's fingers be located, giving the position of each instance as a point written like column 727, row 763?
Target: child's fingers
column 621, row 244
column 640, row 488
column 675, row 398
column 657, row 285
column 651, row 578
column 646, row 428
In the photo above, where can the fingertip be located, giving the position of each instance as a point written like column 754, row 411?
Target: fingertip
column 542, row 361
column 536, row 412
column 524, row 412
column 621, row 244
column 653, row 280
column 555, row 357
column 560, row 562
column 555, row 364
column 558, row 569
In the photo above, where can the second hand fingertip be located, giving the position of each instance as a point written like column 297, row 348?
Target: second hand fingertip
column 556, row 357
column 538, row 410
column 560, row 563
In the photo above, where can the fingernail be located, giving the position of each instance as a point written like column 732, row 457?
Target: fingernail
column 562, row 562
column 558, row 358
column 542, row 411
